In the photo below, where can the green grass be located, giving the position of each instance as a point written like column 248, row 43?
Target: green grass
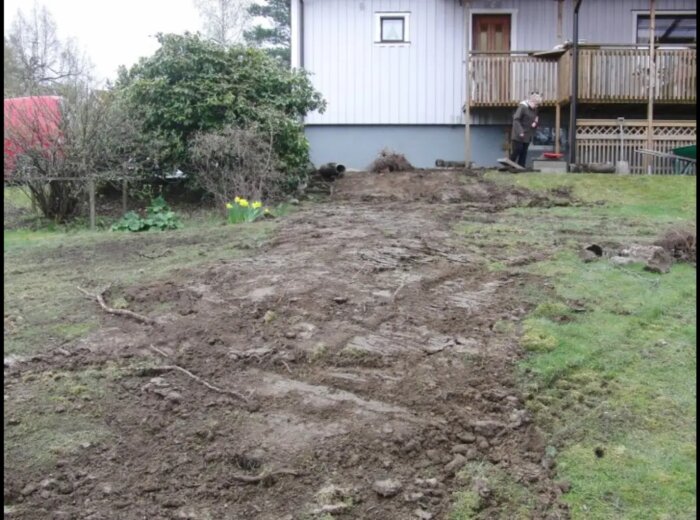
column 43, row 308
column 39, row 435
column 621, row 375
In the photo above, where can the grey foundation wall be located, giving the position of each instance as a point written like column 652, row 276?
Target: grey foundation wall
column 356, row 146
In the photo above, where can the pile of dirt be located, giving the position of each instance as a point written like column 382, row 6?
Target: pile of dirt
column 390, row 161
column 443, row 186
column 680, row 244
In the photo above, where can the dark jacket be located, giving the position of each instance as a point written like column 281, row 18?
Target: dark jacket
column 523, row 118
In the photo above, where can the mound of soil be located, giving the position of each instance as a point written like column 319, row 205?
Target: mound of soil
column 681, row 244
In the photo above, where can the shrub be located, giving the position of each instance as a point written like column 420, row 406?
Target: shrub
column 191, row 85
column 235, row 161
column 158, row 216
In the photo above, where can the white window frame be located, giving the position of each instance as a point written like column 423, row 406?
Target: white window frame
column 379, row 15
column 642, row 12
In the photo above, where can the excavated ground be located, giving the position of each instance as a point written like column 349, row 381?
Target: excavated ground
column 361, row 337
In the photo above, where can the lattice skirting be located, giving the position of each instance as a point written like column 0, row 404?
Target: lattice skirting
column 603, row 141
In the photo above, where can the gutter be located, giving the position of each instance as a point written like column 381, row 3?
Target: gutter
column 574, row 92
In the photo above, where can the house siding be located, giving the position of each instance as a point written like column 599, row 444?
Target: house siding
column 368, row 83
column 423, row 82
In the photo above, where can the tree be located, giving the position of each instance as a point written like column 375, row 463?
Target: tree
column 192, row 85
column 85, row 133
column 276, row 40
column 44, row 62
column 224, row 20
column 12, row 74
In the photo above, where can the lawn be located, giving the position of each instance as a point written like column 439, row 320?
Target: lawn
column 610, row 373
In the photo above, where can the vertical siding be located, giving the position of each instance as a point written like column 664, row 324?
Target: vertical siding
column 423, row 82
column 366, row 83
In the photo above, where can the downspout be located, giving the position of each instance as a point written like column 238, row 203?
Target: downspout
column 301, row 34
column 574, row 92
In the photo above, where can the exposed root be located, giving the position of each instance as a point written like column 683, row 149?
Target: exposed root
column 118, row 312
column 265, row 477
column 168, row 368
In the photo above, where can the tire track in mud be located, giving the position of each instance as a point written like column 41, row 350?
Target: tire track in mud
column 362, row 334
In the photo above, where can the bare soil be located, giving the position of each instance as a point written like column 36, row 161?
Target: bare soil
column 362, row 337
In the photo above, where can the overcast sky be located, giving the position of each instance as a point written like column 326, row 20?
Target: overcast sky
column 116, row 32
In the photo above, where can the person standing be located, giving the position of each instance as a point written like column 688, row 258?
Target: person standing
column 525, row 121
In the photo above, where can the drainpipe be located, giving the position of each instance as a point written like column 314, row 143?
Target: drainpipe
column 574, row 92
column 301, row 34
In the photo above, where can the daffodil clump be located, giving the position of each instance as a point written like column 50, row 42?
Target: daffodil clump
column 242, row 210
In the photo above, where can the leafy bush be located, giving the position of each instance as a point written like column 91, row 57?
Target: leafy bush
column 191, row 85
column 159, row 216
column 236, row 160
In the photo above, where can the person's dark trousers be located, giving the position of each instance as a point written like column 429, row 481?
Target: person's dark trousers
column 519, row 152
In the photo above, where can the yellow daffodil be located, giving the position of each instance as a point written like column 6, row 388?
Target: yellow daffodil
column 229, row 205
column 266, row 211
column 257, row 204
column 237, row 199
column 243, row 203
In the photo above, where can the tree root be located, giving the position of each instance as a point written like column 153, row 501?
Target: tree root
column 265, row 477
column 118, row 312
column 169, row 368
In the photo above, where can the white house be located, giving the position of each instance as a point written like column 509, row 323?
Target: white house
column 439, row 79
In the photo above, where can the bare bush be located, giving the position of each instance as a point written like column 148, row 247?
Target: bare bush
column 236, row 161
column 77, row 137
column 390, row 161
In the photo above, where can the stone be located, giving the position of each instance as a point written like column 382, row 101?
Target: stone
column 28, row 489
column 460, row 448
column 174, row 397
column 455, row 464
column 422, row 515
column 564, row 485
column 466, row 437
column 387, row 487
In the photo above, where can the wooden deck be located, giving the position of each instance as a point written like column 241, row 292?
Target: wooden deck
column 610, row 74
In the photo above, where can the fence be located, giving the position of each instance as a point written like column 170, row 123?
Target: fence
column 602, row 141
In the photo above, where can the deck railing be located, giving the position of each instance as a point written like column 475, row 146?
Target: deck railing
column 506, row 78
column 610, row 74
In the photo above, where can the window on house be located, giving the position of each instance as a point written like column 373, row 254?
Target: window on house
column 669, row 28
column 391, row 27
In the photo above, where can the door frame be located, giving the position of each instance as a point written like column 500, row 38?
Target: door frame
column 513, row 18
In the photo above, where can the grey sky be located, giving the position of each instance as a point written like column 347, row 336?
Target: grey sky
column 117, row 32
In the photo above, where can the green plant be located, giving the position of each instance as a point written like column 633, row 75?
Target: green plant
column 191, row 85
column 241, row 210
column 159, row 216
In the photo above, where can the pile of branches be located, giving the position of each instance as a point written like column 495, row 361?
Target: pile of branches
column 390, row 161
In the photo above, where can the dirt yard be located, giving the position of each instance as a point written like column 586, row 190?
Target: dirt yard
column 349, row 367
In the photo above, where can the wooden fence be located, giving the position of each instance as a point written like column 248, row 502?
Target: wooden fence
column 602, row 141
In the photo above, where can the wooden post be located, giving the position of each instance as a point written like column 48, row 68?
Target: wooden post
column 91, row 202
column 467, row 90
column 557, row 124
column 652, row 83
column 124, row 195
